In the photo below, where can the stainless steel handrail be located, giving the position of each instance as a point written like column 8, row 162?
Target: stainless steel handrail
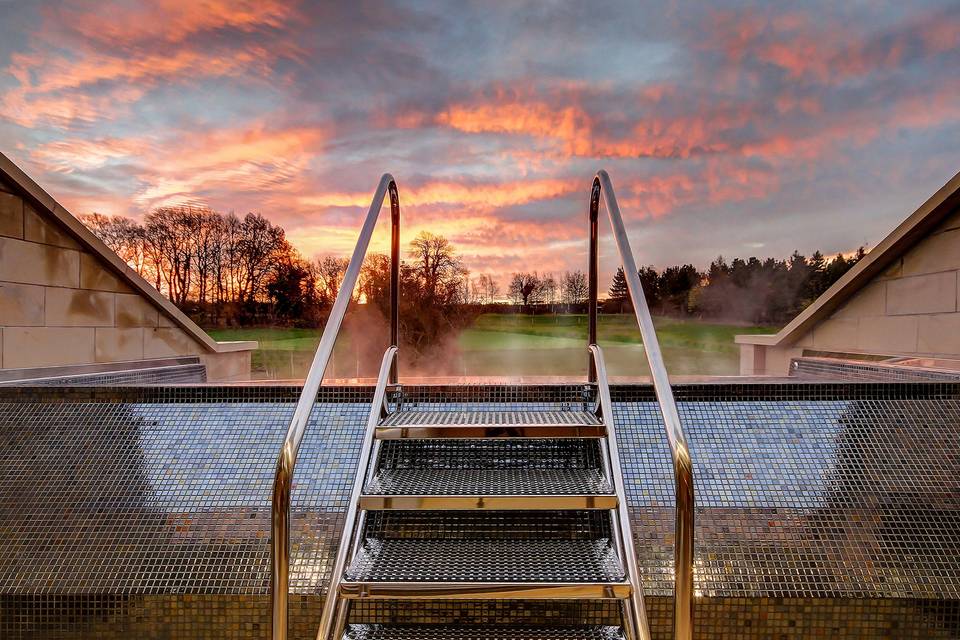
column 682, row 463
column 377, row 409
column 640, row 625
column 287, row 459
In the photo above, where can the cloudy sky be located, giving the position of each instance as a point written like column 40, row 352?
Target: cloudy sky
column 736, row 128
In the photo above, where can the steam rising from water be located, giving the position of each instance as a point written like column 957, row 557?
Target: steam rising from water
column 501, row 355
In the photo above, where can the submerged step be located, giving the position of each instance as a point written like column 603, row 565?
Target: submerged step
column 489, row 474
column 491, row 424
column 486, row 561
column 542, row 554
column 468, row 632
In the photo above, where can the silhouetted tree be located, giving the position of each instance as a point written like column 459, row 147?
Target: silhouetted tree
column 438, row 269
column 526, row 287
column 574, row 288
column 618, row 294
column 484, row 289
column 329, row 272
column 650, row 281
column 753, row 290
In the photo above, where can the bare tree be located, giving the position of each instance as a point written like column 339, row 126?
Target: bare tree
column 261, row 244
column 548, row 289
column 526, row 288
column 329, row 275
column 437, row 268
column 574, row 288
column 208, row 228
column 170, row 232
column 485, row 289
column 123, row 235
column 374, row 282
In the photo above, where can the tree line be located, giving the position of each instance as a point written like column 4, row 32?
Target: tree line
column 751, row 290
column 224, row 269
column 194, row 254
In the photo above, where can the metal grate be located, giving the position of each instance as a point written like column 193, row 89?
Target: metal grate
column 489, row 418
column 490, row 454
column 473, row 560
column 488, row 467
column 542, row 546
column 489, row 482
column 466, row 525
column 442, row 632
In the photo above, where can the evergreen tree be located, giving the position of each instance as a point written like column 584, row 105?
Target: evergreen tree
column 618, row 293
column 650, row 281
column 675, row 284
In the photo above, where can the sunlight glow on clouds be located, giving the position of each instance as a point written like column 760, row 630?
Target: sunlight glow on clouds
column 820, row 125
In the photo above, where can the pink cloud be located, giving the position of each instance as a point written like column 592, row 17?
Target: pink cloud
column 824, row 51
column 125, row 50
column 171, row 21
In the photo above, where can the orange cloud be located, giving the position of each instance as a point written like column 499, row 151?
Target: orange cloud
column 535, row 119
column 825, row 52
column 174, row 20
column 174, row 169
column 148, row 44
column 573, row 133
column 254, row 158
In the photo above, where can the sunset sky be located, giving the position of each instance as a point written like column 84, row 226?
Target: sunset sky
column 736, row 128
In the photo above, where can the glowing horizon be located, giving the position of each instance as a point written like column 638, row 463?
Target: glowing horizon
column 739, row 130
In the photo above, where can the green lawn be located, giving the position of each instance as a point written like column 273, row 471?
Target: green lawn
column 501, row 344
column 621, row 328
column 278, row 339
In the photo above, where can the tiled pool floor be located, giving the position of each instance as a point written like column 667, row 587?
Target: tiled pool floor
column 150, row 506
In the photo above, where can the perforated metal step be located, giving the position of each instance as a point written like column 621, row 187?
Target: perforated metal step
column 466, row 632
column 490, row 424
column 502, row 554
column 489, row 474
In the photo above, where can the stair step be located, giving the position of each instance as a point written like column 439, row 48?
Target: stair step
column 490, row 502
column 462, row 554
column 563, row 561
column 469, row 632
column 497, row 474
column 490, row 424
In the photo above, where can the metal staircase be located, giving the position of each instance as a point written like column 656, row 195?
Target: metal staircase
column 487, row 502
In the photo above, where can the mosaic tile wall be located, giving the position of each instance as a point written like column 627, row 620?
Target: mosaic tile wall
column 824, row 509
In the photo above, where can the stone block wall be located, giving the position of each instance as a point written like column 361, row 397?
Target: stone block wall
column 912, row 308
column 60, row 304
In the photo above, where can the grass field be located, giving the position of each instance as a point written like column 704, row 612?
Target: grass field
column 520, row 345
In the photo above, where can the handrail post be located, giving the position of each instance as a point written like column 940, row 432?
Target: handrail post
column 593, row 270
column 287, row 459
column 394, row 275
column 680, row 451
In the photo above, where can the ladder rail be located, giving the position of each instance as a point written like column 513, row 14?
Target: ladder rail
column 348, row 536
column 287, row 458
column 624, row 531
column 680, row 451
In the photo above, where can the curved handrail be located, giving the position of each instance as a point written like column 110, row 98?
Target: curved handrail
column 287, row 459
column 682, row 462
column 616, row 475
